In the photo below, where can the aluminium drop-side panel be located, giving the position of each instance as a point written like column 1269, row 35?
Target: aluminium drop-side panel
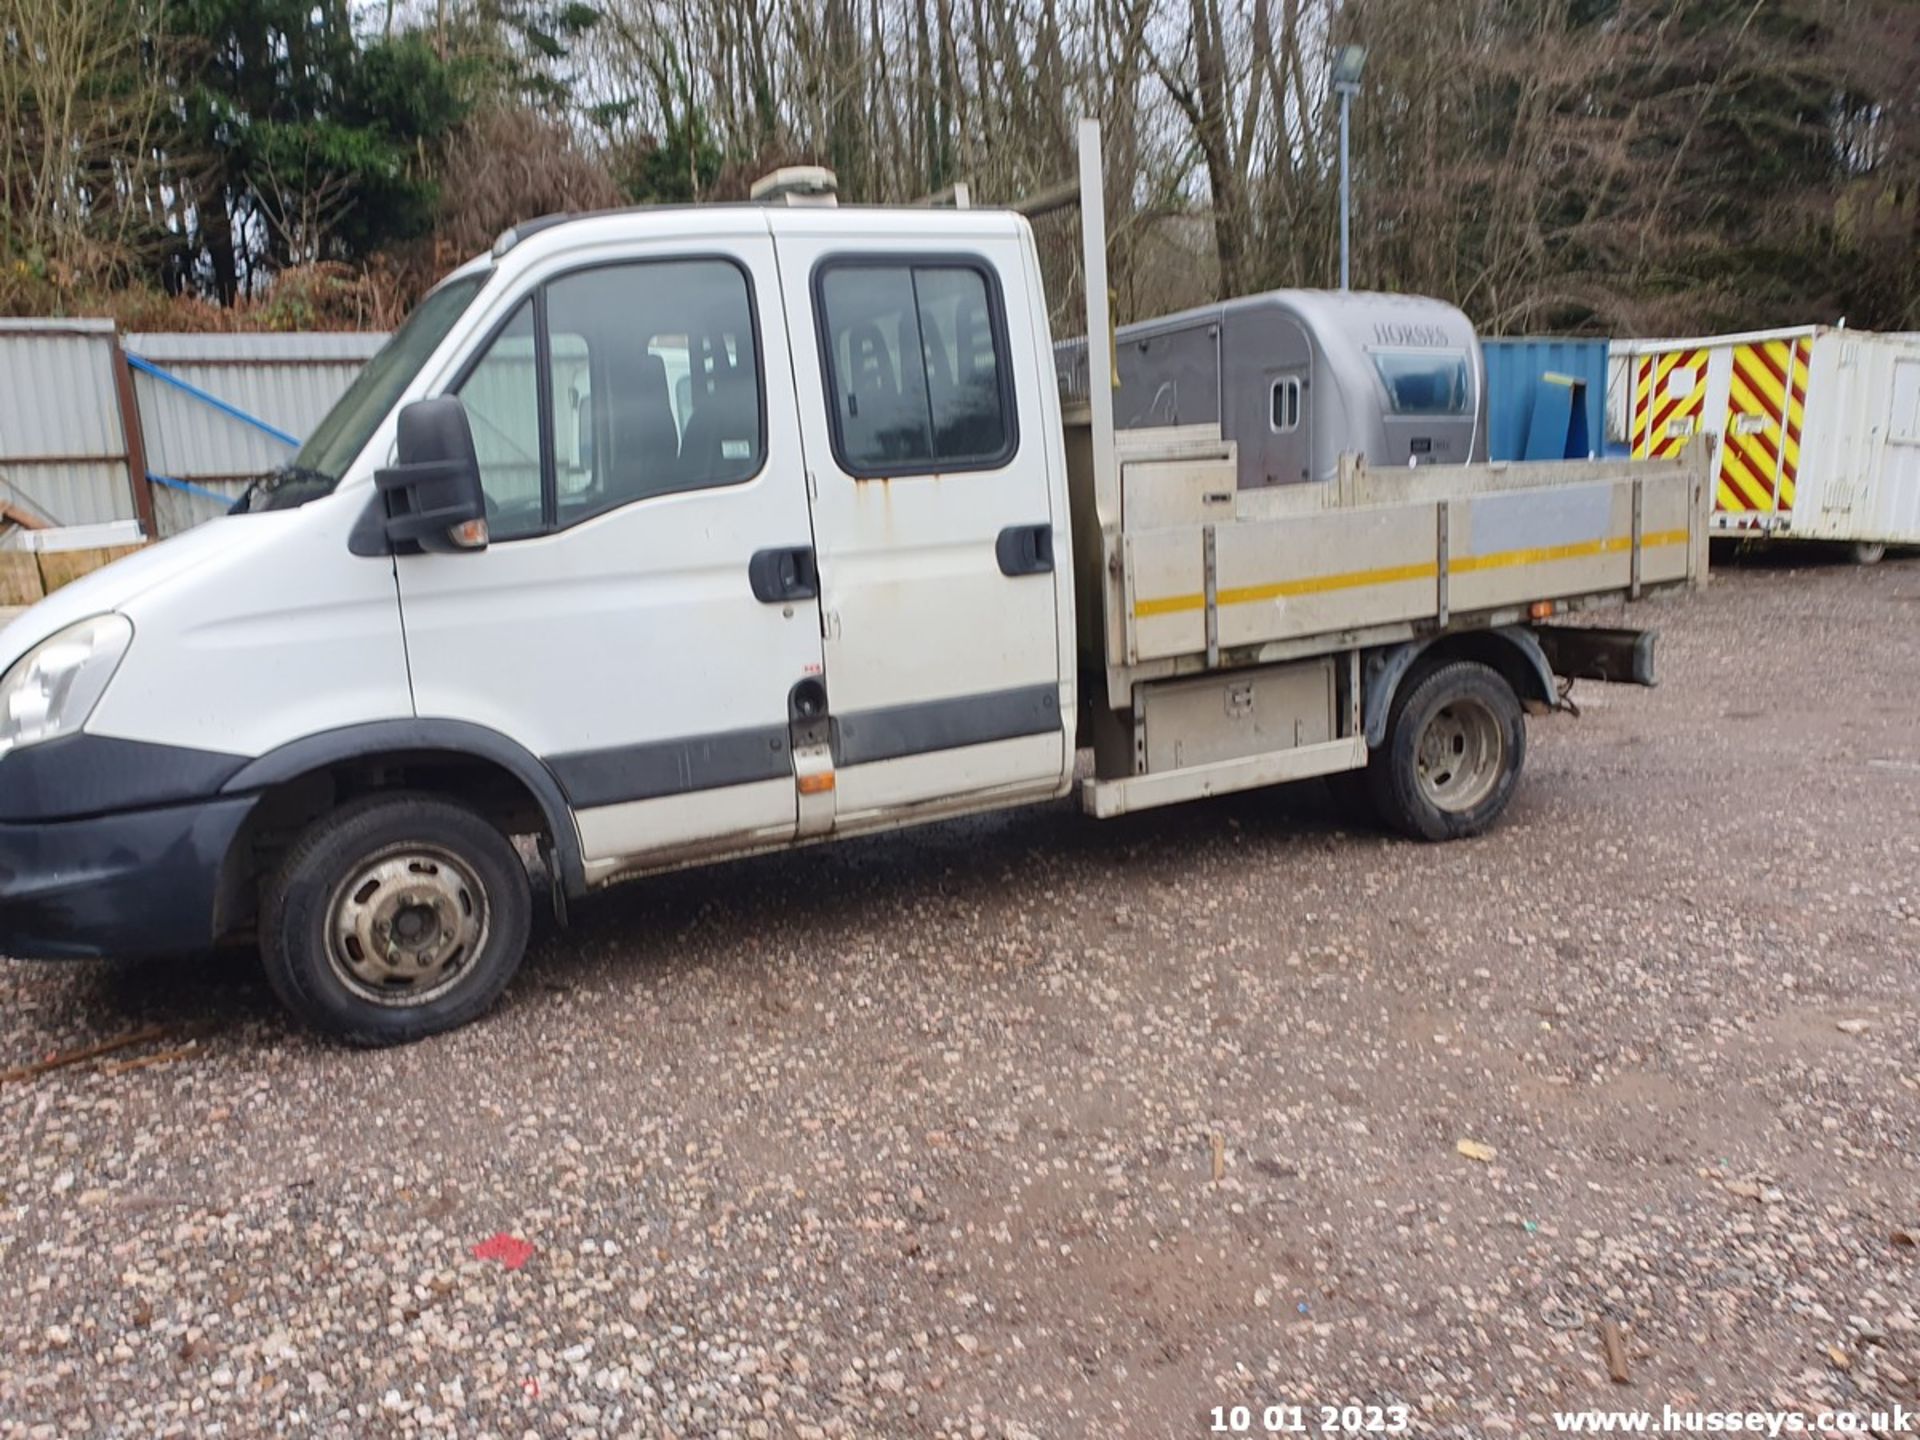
column 1166, row 593
column 1326, row 572
column 1527, row 545
column 1156, row 494
column 1670, row 522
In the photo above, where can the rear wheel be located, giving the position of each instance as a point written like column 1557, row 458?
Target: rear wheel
column 395, row 917
column 1868, row 552
column 1455, row 744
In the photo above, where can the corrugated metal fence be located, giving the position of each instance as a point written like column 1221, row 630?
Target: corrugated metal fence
column 65, row 456
column 87, row 415
column 286, row 382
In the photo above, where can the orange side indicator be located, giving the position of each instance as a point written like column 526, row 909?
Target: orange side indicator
column 1540, row 609
column 815, row 784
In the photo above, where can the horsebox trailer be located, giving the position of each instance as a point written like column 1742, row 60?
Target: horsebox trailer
column 1297, row 378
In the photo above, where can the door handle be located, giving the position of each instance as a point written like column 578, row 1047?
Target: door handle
column 785, row 574
column 1025, row 550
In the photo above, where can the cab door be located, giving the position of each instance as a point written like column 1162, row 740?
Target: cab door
column 645, row 607
column 927, row 442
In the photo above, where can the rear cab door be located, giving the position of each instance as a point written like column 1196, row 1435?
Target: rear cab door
column 931, row 432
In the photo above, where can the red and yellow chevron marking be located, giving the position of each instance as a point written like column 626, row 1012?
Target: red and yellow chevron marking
column 1665, row 416
column 1759, row 456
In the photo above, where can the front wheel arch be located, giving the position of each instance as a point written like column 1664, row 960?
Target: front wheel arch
column 470, row 764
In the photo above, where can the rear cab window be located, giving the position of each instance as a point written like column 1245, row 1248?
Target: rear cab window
column 915, row 356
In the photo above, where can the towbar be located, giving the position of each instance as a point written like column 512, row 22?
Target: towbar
column 1619, row 657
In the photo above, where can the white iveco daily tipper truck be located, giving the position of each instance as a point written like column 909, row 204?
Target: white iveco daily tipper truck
column 676, row 534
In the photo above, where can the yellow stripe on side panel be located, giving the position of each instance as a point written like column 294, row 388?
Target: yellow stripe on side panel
column 1399, row 574
column 1168, row 605
column 1580, row 550
column 1321, row 584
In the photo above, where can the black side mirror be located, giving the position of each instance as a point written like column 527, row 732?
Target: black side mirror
column 434, row 499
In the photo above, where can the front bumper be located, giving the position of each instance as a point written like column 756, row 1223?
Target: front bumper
column 138, row 883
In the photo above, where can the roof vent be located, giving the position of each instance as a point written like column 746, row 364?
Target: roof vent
column 797, row 185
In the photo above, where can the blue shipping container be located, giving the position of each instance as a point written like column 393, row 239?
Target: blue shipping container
column 1515, row 369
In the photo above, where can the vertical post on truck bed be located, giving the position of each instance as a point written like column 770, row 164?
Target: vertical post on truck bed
column 1093, row 244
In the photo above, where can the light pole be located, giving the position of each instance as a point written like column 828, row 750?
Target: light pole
column 1347, row 65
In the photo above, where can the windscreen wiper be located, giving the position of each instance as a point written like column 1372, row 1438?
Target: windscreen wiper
column 271, row 480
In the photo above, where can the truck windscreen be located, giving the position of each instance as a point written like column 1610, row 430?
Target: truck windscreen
column 358, row 413
column 1424, row 383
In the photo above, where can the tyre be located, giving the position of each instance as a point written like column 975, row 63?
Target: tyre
column 1456, row 740
column 393, row 918
column 1867, row 552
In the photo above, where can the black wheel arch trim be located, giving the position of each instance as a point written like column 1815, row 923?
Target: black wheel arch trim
column 1387, row 667
column 452, row 737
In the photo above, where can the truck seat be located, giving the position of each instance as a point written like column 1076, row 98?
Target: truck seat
column 723, row 430
column 642, row 442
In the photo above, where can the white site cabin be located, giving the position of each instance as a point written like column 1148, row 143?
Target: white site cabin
column 1814, row 431
column 674, row 534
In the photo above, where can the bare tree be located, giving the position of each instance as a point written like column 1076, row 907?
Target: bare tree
column 1631, row 166
column 79, row 106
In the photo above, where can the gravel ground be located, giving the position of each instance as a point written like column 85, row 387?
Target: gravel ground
column 1033, row 1126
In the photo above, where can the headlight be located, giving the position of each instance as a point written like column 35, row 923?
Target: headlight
column 52, row 689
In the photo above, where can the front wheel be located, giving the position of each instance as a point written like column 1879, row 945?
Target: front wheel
column 1455, row 744
column 395, row 917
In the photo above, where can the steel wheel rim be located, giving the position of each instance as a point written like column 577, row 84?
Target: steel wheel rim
column 1460, row 754
column 406, row 924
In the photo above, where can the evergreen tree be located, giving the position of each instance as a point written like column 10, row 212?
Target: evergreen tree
column 295, row 141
